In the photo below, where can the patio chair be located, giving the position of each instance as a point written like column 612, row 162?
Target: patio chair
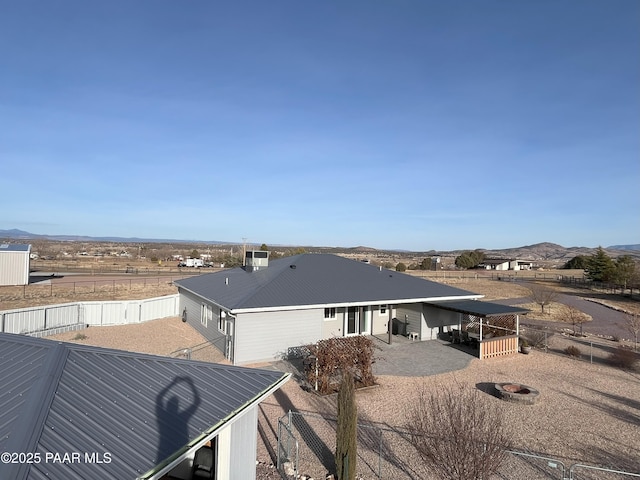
column 203, row 463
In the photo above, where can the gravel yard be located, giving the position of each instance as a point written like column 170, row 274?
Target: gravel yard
column 588, row 412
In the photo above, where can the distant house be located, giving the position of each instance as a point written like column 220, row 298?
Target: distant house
column 91, row 412
column 502, row 264
column 263, row 310
column 14, row 264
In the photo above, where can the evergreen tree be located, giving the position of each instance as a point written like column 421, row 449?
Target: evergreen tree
column 600, row 267
column 625, row 270
column 577, row 263
column 470, row 259
column 347, row 434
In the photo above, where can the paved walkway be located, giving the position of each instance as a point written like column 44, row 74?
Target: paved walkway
column 405, row 358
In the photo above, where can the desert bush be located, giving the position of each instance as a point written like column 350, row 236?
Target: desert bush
column 334, row 356
column 572, row 351
column 624, row 358
column 536, row 338
column 80, row 336
column 458, row 432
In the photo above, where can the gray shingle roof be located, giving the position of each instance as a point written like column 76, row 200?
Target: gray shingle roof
column 314, row 279
column 141, row 409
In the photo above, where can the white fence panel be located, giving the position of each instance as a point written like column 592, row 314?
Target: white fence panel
column 159, row 308
column 23, row 320
column 114, row 313
column 61, row 315
column 29, row 320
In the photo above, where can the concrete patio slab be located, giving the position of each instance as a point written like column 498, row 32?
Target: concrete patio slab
column 418, row 359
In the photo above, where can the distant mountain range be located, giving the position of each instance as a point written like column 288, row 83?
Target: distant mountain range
column 540, row 251
column 15, row 234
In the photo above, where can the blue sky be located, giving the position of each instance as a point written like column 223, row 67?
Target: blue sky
column 403, row 124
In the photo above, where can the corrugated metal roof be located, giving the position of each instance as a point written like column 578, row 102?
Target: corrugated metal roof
column 14, row 247
column 480, row 309
column 314, row 279
column 141, row 409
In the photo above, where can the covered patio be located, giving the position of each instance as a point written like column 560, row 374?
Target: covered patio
column 492, row 327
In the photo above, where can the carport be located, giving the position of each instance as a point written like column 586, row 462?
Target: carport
column 494, row 328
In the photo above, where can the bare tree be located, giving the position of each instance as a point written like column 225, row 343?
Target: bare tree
column 460, row 433
column 542, row 295
column 574, row 316
column 632, row 324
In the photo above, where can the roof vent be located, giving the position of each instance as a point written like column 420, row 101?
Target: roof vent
column 226, row 280
column 292, row 267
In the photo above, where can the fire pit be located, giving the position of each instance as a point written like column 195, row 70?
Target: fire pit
column 515, row 392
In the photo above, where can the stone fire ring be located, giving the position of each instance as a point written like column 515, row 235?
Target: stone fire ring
column 517, row 393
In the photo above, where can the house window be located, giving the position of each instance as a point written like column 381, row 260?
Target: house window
column 206, row 314
column 383, row 309
column 329, row 313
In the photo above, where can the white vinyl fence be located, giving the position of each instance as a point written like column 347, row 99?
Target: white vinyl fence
column 53, row 319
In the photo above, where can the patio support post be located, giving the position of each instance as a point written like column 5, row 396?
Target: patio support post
column 481, row 320
column 517, row 325
column 389, row 323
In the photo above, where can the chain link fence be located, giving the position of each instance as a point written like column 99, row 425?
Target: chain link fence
column 306, row 444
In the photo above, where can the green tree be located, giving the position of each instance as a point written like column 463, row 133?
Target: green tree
column 577, row 263
column 625, row 270
column 195, row 254
column 264, row 247
column 425, row 264
column 401, row 267
column 470, row 259
column 600, row 267
column 346, row 434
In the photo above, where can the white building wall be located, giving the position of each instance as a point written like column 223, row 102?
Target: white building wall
column 242, row 458
column 438, row 320
column 14, row 267
column 411, row 316
column 267, row 336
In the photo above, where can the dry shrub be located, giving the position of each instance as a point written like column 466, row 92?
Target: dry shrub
column 334, row 356
column 537, row 338
column 459, row 433
column 623, row 358
column 572, row 351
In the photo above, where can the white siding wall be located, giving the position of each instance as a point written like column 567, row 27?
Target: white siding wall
column 379, row 320
column 244, row 445
column 410, row 314
column 193, row 305
column 267, row 336
column 437, row 319
column 14, row 268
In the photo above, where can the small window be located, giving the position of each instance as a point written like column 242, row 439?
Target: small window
column 206, row 314
column 329, row 313
column 383, row 309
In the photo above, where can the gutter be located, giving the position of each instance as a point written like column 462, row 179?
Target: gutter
column 236, row 311
column 173, row 461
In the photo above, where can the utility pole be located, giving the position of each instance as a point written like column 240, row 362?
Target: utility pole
column 244, row 250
